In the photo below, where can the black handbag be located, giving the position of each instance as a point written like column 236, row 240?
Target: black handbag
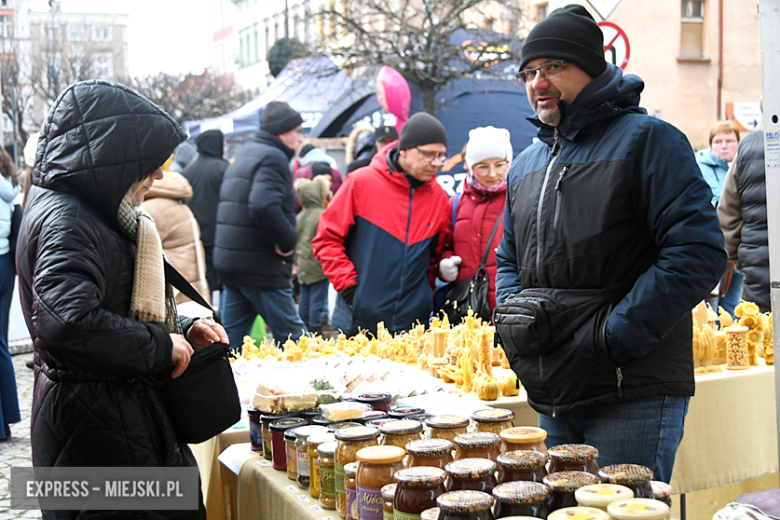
column 203, row 401
column 472, row 292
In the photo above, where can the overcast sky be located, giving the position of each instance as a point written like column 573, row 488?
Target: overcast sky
column 162, row 35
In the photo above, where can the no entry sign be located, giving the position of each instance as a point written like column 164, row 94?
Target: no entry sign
column 616, row 47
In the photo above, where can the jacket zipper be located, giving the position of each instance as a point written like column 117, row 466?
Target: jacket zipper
column 403, row 265
column 619, row 381
column 541, row 205
column 559, row 189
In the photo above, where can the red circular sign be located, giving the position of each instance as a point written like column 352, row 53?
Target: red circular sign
column 616, row 47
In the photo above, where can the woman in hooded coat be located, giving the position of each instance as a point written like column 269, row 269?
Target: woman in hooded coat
column 94, row 297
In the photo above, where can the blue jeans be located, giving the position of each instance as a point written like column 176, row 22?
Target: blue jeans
column 644, row 431
column 732, row 297
column 9, row 401
column 313, row 305
column 241, row 304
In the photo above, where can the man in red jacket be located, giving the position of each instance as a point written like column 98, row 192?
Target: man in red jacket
column 380, row 239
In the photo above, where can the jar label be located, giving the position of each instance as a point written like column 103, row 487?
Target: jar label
column 315, row 473
column 255, row 434
column 339, row 479
column 303, row 463
column 370, row 503
column 386, row 515
column 400, row 515
column 327, row 480
column 352, row 504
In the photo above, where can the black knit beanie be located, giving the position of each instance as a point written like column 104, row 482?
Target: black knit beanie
column 318, row 168
column 422, row 128
column 278, row 118
column 569, row 33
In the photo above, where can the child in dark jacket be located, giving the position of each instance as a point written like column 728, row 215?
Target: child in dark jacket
column 313, row 306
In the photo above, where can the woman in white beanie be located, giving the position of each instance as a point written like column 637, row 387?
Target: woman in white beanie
column 488, row 158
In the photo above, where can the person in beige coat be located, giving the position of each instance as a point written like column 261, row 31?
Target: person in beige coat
column 179, row 231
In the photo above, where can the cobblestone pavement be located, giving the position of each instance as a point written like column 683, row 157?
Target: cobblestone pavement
column 16, row 451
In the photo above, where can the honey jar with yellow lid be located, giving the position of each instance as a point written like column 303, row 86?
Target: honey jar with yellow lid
column 493, row 420
column 447, row 426
column 523, row 438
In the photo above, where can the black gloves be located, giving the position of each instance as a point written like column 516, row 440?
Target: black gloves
column 349, row 294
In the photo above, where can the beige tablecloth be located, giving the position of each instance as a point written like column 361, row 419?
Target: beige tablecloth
column 217, row 482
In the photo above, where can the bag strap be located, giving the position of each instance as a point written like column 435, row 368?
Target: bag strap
column 174, row 277
column 483, row 265
column 455, row 210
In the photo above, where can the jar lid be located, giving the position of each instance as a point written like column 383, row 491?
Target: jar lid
column 420, row 476
column 521, row 492
column 310, row 414
column 446, row 421
column 320, row 420
column 373, row 415
column 357, row 433
column 402, row 412
column 289, row 435
column 522, row 459
column 601, row 495
column 376, row 423
column 477, row 441
column 327, row 448
column 524, row 434
column 285, row 424
column 334, row 427
column 569, row 481
column 470, row 468
column 268, row 419
column 429, row 447
column 422, row 417
column 430, row 514
column 381, row 454
column 378, row 397
column 351, row 469
column 637, row 508
column 321, row 438
column 388, row 491
column 401, row 427
column 626, row 474
column 661, row 489
column 578, row 513
column 490, row 415
column 253, row 411
column 464, row 501
column 573, row 453
column 304, row 432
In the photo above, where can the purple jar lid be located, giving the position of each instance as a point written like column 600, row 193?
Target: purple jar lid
column 402, row 412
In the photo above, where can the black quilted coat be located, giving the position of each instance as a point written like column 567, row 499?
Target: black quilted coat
column 94, row 402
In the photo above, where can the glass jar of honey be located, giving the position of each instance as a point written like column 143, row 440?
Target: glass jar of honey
column 335, row 426
column 523, row 438
column 634, row 477
column 292, row 455
column 493, row 420
column 447, row 426
column 388, row 495
column 302, row 453
column 400, row 432
column 521, row 499
column 521, row 465
column 312, row 443
column 581, row 513
column 465, row 505
column 418, row 489
column 574, row 457
column 562, row 486
column 430, row 452
column 350, row 483
column 471, row 474
column 638, row 508
column 479, row 445
column 599, row 496
column 378, row 465
column 327, row 462
column 350, row 441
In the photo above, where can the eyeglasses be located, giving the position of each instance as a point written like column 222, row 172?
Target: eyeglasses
column 551, row 70
column 484, row 169
column 431, row 156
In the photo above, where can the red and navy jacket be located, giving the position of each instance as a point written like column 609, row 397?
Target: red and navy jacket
column 381, row 233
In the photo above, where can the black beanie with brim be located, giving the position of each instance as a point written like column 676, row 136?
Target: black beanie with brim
column 278, row 118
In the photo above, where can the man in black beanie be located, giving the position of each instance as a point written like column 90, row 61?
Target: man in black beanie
column 380, row 238
column 256, row 236
column 610, row 240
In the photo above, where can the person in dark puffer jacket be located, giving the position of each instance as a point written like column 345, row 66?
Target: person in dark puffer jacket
column 102, row 332
column 256, row 236
column 610, row 240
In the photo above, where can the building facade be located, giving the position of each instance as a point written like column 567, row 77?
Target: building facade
column 223, row 16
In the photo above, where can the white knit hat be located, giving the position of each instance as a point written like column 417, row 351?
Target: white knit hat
column 30, row 147
column 488, row 143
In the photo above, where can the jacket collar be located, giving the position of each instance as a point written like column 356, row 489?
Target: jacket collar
column 272, row 140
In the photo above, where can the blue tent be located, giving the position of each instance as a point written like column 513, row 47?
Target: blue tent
column 309, row 85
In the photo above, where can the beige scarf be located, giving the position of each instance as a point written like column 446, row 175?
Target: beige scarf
column 152, row 298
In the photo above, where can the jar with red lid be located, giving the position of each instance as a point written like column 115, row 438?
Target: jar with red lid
column 634, row 477
column 477, row 446
column 350, row 483
column 279, row 448
column 521, row 499
column 255, row 430
column 400, row 432
column 378, row 465
column 418, row 488
column 380, row 400
column 473, row 474
column 564, row 484
column 447, row 426
column 465, row 505
column 430, row 452
column 523, row 438
column 350, row 441
column 493, row 420
column 574, row 457
column 403, row 412
column 522, row 465
column 388, row 496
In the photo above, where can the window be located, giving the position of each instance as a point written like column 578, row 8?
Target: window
column 78, row 70
column 6, row 26
column 541, row 12
column 102, row 34
column 77, row 34
column 692, row 29
column 51, row 32
column 256, row 43
column 103, row 66
column 267, row 36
